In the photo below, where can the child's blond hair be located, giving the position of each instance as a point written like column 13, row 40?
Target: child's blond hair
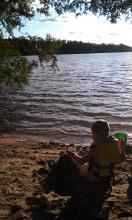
column 101, row 127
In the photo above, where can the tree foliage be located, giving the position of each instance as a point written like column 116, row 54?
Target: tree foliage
column 111, row 9
column 12, row 12
column 78, row 47
column 69, row 47
column 15, row 70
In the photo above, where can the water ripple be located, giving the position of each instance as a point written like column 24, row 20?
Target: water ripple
column 87, row 87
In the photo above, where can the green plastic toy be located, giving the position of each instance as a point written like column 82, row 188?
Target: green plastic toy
column 122, row 136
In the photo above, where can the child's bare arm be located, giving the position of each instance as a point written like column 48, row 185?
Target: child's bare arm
column 75, row 157
column 81, row 160
column 122, row 154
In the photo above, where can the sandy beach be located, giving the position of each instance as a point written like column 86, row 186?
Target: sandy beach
column 25, row 164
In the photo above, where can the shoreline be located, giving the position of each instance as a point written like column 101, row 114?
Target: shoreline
column 46, row 138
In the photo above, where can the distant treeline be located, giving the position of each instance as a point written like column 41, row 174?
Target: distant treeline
column 81, row 47
column 69, row 47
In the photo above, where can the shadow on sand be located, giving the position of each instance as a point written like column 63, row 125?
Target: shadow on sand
column 75, row 197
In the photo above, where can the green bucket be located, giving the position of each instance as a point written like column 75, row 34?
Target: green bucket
column 122, row 136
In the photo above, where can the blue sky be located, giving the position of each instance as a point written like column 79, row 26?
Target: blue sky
column 86, row 28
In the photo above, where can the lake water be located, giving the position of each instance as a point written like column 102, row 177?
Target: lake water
column 62, row 105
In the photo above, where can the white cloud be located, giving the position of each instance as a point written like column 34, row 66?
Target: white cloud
column 93, row 29
column 53, row 19
column 87, row 28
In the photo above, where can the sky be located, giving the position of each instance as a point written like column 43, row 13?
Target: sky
column 85, row 28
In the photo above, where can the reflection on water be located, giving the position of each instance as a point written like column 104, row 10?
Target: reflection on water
column 63, row 105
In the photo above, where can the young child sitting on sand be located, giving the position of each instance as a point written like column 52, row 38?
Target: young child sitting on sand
column 103, row 154
column 67, row 174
